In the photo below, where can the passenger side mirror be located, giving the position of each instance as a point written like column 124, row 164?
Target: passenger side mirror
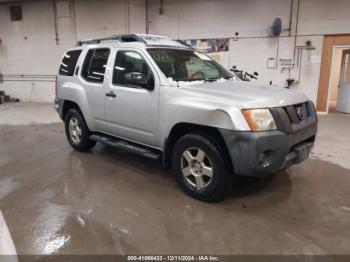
column 139, row 79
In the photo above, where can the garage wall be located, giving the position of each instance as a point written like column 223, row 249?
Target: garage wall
column 220, row 18
column 251, row 18
column 39, row 54
column 29, row 47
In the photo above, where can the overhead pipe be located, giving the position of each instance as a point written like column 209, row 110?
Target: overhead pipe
column 127, row 16
column 74, row 21
column 27, row 76
column 147, row 16
column 55, row 21
column 291, row 17
column 296, row 32
column 161, row 8
column 17, row 2
column 25, row 80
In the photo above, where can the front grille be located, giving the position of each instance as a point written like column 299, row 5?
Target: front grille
column 291, row 119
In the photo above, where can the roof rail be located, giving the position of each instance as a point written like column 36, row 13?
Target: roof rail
column 121, row 38
column 145, row 39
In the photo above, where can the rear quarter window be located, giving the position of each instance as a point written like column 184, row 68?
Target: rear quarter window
column 69, row 62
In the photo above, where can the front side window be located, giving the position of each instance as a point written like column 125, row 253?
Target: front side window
column 130, row 62
column 69, row 62
column 95, row 65
column 187, row 65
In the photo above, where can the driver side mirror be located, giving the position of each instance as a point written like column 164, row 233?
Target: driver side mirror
column 139, row 79
column 256, row 73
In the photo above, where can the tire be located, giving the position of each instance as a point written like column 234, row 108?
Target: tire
column 189, row 165
column 78, row 136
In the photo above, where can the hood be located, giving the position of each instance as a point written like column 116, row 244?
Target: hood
column 247, row 95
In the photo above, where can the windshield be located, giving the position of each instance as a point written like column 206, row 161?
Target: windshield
column 187, row 65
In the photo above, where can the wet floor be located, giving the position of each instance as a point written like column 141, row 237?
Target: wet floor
column 57, row 201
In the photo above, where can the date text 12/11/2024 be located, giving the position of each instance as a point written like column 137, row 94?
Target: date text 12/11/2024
column 173, row 258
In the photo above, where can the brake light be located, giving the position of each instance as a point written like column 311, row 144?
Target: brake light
column 56, row 86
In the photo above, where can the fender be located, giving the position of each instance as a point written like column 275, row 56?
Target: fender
column 74, row 92
column 194, row 111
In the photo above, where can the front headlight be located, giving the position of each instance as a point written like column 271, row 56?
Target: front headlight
column 259, row 119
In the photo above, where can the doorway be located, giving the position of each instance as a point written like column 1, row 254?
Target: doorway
column 328, row 91
column 338, row 96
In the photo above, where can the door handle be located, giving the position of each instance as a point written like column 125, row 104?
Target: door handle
column 111, row 94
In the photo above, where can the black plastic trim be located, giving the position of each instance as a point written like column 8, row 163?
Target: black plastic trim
column 246, row 148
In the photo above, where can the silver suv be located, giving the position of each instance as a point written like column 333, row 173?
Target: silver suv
column 160, row 98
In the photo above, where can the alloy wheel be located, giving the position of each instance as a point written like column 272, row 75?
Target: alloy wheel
column 75, row 130
column 197, row 168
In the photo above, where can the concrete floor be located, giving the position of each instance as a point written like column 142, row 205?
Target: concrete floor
column 57, row 201
column 27, row 113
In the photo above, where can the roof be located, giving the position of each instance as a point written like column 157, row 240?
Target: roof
column 147, row 40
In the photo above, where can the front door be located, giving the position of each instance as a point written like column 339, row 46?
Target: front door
column 131, row 111
column 343, row 101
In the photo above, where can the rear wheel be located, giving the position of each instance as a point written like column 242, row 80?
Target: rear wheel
column 201, row 167
column 77, row 132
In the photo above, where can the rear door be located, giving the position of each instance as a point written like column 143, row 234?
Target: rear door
column 343, row 101
column 93, row 76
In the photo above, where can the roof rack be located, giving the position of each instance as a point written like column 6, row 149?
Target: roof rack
column 148, row 40
column 121, row 38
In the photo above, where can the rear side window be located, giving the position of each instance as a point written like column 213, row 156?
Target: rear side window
column 95, row 65
column 69, row 62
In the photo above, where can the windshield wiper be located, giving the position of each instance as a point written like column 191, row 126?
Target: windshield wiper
column 208, row 79
column 211, row 79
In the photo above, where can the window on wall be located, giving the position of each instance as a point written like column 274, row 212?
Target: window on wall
column 130, row 62
column 95, row 65
column 16, row 12
column 69, row 63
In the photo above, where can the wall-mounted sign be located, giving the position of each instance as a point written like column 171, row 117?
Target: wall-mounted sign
column 286, row 58
column 286, row 62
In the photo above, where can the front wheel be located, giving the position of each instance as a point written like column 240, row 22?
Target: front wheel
column 201, row 167
column 77, row 132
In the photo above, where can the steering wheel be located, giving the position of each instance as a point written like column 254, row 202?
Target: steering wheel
column 198, row 75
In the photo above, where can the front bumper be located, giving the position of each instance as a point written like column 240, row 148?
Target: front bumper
column 262, row 153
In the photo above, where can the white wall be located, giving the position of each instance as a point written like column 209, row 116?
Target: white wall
column 251, row 18
column 29, row 48
column 39, row 54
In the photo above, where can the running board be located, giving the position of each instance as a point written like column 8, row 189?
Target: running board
column 123, row 145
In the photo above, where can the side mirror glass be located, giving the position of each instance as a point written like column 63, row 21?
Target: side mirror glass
column 256, row 74
column 139, row 79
